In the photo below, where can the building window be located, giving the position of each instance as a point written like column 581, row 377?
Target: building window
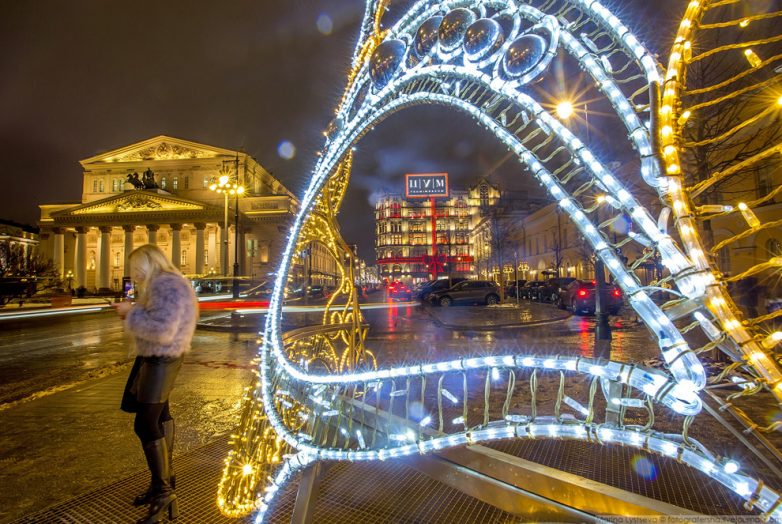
column 484, row 196
column 95, row 186
column 116, row 259
column 396, row 227
column 163, row 182
column 175, row 183
column 206, row 182
column 418, row 239
column 183, row 261
column 396, row 240
column 187, row 182
column 101, row 186
column 206, row 257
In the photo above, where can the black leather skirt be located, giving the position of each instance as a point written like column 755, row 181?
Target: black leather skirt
column 150, row 381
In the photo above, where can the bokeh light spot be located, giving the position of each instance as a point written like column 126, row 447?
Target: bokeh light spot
column 286, row 150
column 644, row 467
column 324, row 23
column 621, row 225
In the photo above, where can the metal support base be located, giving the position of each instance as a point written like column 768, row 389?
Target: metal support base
column 307, row 495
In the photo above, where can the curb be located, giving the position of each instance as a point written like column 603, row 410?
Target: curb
column 227, row 329
column 533, row 323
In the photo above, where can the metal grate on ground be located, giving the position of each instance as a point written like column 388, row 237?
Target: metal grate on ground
column 198, row 473
column 631, row 470
column 391, row 492
column 364, row 492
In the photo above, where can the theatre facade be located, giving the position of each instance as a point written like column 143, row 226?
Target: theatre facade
column 158, row 191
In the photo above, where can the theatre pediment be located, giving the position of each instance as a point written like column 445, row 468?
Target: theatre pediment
column 159, row 148
column 134, row 202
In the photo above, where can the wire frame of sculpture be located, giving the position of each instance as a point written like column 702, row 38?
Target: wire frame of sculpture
column 480, row 57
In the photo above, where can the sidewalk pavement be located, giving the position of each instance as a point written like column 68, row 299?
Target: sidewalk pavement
column 74, row 441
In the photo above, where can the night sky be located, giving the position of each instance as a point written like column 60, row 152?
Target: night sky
column 86, row 76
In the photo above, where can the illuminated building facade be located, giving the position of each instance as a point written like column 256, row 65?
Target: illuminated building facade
column 94, row 237
column 404, row 233
column 19, row 236
column 499, row 234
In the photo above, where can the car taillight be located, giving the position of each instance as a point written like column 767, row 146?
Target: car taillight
column 617, row 293
column 582, row 292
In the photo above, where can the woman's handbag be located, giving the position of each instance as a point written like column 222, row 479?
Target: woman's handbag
column 129, row 402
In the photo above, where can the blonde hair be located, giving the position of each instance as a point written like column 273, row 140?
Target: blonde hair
column 152, row 261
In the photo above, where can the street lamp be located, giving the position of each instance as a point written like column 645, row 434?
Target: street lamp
column 602, row 329
column 228, row 185
column 565, row 110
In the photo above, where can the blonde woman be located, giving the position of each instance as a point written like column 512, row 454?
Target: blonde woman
column 161, row 321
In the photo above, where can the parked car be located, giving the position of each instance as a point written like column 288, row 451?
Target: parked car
column 436, row 285
column 467, row 292
column 530, row 290
column 580, row 298
column 549, row 291
column 510, row 289
column 398, row 289
column 314, row 291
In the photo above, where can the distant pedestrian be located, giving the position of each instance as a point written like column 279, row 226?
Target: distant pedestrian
column 161, row 321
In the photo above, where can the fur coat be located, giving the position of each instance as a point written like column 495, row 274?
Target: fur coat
column 164, row 326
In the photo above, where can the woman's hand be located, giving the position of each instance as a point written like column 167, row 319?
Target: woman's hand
column 122, row 308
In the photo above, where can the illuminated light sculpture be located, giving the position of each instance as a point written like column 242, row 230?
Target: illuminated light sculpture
column 320, row 394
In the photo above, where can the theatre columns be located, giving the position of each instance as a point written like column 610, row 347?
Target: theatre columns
column 152, row 233
column 80, row 261
column 104, row 262
column 200, row 248
column 176, row 245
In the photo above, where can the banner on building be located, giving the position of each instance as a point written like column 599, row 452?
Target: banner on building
column 427, row 185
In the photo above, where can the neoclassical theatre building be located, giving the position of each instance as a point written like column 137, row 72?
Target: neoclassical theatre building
column 90, row 241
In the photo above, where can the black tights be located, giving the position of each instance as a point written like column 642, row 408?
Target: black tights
column 149, row 421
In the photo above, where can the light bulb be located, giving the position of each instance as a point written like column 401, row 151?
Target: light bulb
column 752, row 57
column 565, row 110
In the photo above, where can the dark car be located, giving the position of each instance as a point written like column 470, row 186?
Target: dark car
column 510, row 289
column 467, row 292
column 314, row 291
column 549, row 291
column 580, row 297
column 530, row 290
column 400, row 290
column 434, row 286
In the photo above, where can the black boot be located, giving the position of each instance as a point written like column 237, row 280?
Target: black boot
column 163, row 496
column 168, row 432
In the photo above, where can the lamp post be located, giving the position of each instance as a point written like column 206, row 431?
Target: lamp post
column 603, row 328
column 227, row 186
column 565, row 110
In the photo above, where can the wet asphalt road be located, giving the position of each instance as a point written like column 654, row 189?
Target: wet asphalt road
column 61, row 432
